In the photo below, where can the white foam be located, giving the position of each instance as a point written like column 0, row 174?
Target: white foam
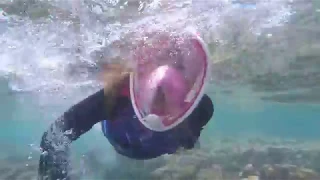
column 36, row 56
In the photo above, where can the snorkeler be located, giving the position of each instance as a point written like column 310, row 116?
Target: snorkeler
column 147, row 111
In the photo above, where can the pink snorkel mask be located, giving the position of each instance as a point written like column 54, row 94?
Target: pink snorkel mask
column 172, row 71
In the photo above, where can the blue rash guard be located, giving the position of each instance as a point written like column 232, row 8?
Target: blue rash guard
column 130, row 138
column 121, row 127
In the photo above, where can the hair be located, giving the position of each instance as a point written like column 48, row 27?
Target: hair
column 112, row 84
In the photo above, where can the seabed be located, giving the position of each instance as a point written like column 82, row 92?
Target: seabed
column 225, row 159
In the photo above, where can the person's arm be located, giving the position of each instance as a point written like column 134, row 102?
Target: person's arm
column 196, row 122
column 77, row 120
column 203, row 112
column 72, row 124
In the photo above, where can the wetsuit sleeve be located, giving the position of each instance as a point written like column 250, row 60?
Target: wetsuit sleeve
column 196, row 122
column 203, row 112
column 79, row 119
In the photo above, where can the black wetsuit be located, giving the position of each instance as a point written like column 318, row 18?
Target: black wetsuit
column 81, row 117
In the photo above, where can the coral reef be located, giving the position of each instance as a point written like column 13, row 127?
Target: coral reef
column 225, row 159
column 277, row 160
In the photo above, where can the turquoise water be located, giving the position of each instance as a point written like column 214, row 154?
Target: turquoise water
column 287, row 121
column 247, row 43
column 24, row 121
